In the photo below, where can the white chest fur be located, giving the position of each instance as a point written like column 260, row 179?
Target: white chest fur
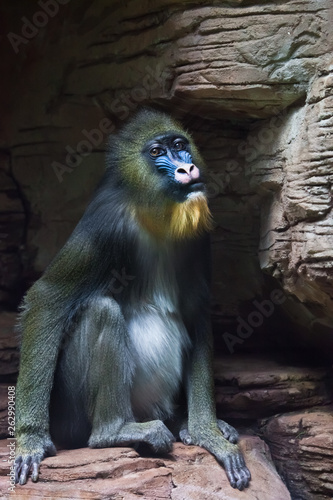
column 159, row 339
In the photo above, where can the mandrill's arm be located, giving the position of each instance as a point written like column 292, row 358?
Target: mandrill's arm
column 203, row 429
column 39, row 352
column 47, row 308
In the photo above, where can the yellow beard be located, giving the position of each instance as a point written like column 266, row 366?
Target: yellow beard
column 178, row 220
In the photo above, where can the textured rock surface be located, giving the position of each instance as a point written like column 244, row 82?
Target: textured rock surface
column 9, row 354
column 302, row 447
column 254, row 58
column 188, row 473
column 295, row 169
column 249, row 387
column 12, row 227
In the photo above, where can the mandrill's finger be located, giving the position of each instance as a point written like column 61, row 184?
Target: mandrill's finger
column 185, row 436
column 240, row 471
column 18, row 466
column 242, row 466
column 241, row 479
column 24, row 473
column 35, row 472
column 246, row 477
column 230, row 471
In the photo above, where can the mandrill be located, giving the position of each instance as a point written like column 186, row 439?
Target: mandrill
column 118, row 326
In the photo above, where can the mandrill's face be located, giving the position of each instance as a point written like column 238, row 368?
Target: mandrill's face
column 180, row 210
column 170, row 156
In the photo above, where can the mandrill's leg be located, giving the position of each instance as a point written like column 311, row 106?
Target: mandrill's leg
column 110, row 370
column 203, row 429
column 153, row 433
column 109, row 381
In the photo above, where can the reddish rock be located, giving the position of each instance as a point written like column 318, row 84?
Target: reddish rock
column 302, row 448
column 187, row 473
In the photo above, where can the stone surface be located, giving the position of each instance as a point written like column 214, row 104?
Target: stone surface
column 249, row 387
column 256, row 61
column 302, row 447
column 294, row 166
column 187, row 473
column 12, row 227
column 9, row 341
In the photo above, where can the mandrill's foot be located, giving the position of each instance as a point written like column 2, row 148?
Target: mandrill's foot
column 222, row 447
column 228, row 431
column 153, row 433
column 31, row 451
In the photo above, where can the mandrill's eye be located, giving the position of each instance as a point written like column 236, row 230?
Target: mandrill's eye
column 179, row 146
column 155, row 151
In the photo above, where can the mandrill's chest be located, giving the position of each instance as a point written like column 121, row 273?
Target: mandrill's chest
column 158, row 337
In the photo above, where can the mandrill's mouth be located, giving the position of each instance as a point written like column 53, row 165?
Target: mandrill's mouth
column 196, row 186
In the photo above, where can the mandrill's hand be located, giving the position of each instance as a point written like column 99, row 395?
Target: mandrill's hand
column 30, row 452
column 218, row 439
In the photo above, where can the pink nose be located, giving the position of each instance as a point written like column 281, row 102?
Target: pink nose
column 186, row 173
